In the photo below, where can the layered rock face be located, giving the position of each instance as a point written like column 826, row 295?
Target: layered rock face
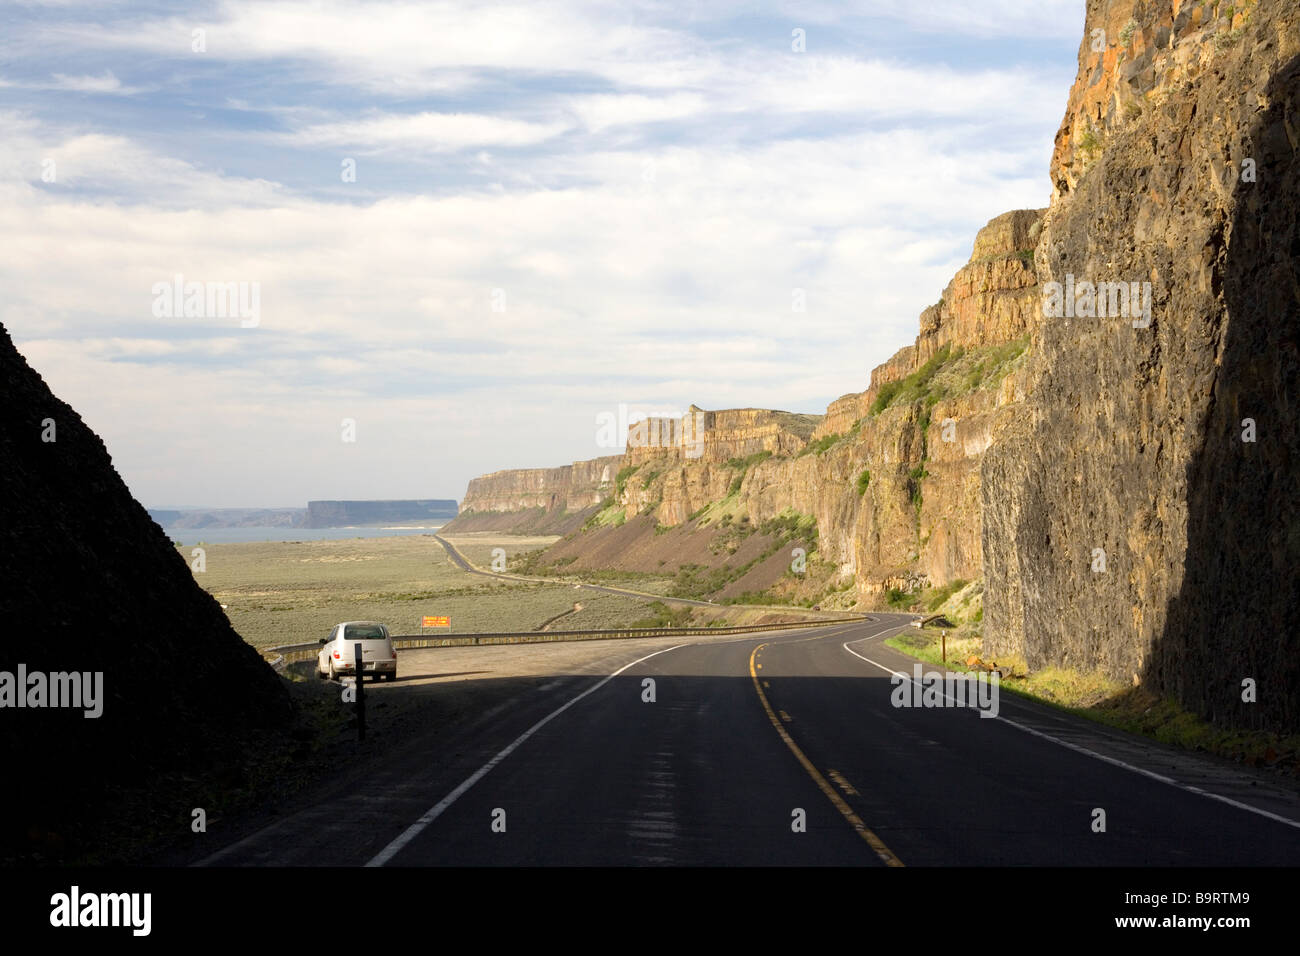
column 92, row 586
column 536, row 500
column 704, row 436
column 570, row 487
column 991, row 300
column 894, row 489
column 1129, row 489
column 1140, row 505
column 674, row 481
column 915, row 514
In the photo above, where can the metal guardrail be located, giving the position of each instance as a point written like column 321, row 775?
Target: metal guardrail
column 279, row 657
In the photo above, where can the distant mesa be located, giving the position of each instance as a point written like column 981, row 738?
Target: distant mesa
column 337, row 514
column 229, row 517
column 317, row 514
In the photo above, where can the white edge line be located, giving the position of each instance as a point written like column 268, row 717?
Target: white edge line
column 1105, row 759
column 227, row 850
column 388, row 852
column 231, row 848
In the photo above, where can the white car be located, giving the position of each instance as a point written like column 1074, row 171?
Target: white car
column 338, row 653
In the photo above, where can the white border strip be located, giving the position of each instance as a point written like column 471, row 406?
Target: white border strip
column 411, row 832
column 1105, row 759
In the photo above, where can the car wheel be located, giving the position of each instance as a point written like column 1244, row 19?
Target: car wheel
column 333, row 673
column 393, row 676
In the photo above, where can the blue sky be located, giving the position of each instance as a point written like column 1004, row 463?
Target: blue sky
column 558, row 209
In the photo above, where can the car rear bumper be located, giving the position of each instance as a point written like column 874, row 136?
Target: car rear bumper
column 368, row 667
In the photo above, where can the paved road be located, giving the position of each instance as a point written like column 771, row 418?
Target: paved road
column 748, row 736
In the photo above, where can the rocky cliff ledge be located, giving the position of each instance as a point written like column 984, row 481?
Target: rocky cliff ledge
column 536, row 500
column 1099, row 415
column 890, row 475
column 1140, row 505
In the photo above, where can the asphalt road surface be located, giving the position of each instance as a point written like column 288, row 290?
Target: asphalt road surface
column 784, row 748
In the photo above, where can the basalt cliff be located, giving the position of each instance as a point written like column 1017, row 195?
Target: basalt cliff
column 881, row 491
column 1097, row 418
column 1140, row 504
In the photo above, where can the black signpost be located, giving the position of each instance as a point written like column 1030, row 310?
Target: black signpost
column 361, row 695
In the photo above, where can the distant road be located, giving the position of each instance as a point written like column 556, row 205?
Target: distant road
column 778, row 749
column 464, row 565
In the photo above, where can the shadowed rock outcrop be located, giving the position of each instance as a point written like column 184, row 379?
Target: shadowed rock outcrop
column 91, row 584
column 1129, row 528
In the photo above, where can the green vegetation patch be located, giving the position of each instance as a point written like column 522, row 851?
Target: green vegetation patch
column 790, row 525
column 914, row 479
column 820, row 445
column 900, row 599
column 610, row 515
column 744, row 464
column 934, row 597
column 741, row 466
column 664, row 616
column 989, row 366
column 757, row 597
column 721, row 512
column 915, row 387
column 620, row 480
column 950, row 372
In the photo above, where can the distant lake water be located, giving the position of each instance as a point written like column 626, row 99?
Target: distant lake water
column 191, row 536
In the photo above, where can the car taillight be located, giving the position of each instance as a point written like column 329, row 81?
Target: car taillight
column 336, row 655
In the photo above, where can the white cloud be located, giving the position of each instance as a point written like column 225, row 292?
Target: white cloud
column 105, row 83
column 108, row 83
column 32, row 151
column 599, row 111
column 1043, row 19
column 399, row 47
column 641, row 264
column 987, row 18
column 875, row 88
column 426, row 132
column 621, row 290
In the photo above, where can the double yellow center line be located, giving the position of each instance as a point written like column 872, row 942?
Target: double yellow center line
column 846, row 811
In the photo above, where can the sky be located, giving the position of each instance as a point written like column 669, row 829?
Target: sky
column 278, row 251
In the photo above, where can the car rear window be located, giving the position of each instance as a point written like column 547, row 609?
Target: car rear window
column 364, row 632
